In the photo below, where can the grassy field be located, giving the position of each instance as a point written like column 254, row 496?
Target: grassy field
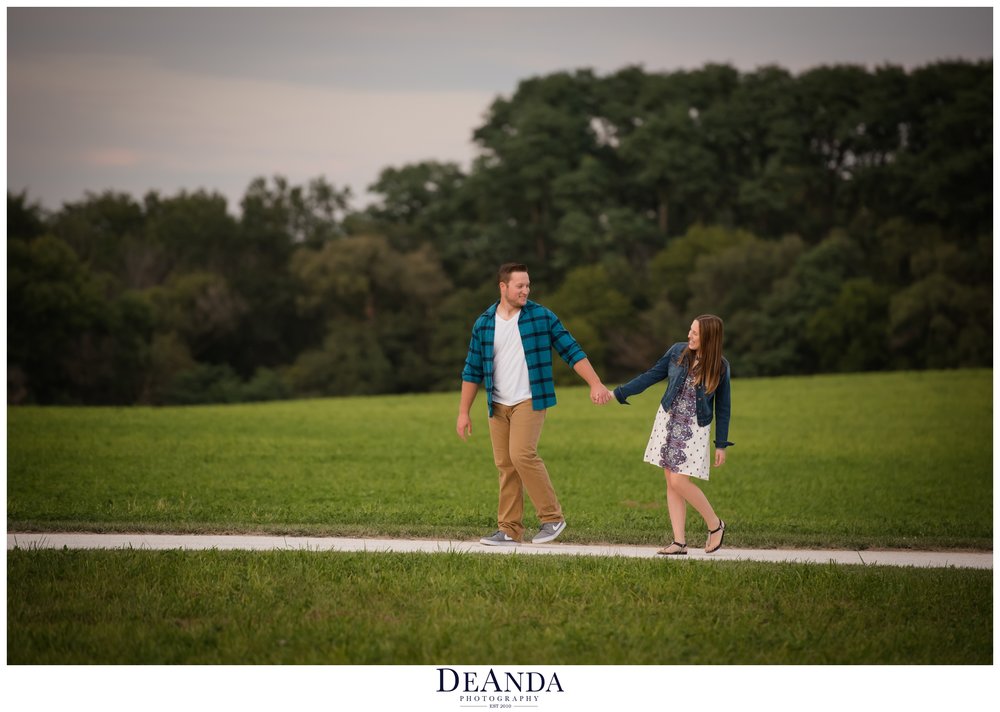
column 866, row 461
column 900, row 460
column 167, row 607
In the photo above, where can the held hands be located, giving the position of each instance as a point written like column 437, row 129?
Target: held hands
column 600, row 395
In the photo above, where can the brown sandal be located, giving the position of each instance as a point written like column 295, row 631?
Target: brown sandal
column 679, row 552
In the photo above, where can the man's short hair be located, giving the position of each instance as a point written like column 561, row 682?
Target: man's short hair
column 507, row 268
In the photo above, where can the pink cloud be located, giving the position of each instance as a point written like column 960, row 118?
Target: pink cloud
column 112, row 157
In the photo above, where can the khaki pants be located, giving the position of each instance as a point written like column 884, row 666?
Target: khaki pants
column 514, row 431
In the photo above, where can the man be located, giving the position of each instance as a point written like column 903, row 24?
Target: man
column 511, row 350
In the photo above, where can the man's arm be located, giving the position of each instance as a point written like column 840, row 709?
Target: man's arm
column 599, row 394
column 463, row 426
column 472, row 376
column 570, row 352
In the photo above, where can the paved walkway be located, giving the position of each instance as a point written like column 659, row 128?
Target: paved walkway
column 976, row 560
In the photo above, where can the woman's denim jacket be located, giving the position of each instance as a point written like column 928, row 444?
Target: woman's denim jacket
column 675, row 373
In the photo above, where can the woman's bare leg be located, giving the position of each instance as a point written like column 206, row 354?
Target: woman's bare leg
column 677, row 508
column 687, row 492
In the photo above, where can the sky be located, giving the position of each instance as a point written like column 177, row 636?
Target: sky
column 172, row 99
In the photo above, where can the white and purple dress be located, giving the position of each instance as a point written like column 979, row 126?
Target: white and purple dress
column 677, row 442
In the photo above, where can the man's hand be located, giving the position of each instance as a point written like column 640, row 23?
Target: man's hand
column 598, row 391
column 463, row 426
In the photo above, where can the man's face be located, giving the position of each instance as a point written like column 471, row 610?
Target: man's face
column 515, row 292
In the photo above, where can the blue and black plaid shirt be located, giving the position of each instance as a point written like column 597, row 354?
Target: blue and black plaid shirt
column 541, row 331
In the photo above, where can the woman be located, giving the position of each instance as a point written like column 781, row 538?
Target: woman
column 697, row 381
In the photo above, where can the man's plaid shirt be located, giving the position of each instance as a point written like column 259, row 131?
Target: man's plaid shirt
column 541, row 331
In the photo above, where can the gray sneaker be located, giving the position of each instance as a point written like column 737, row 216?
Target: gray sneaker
column 498, row 538
column 549, row 532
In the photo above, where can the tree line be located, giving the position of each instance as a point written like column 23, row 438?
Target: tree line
column 838, row 220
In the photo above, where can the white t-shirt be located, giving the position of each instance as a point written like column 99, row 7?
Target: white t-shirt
column 510, row 369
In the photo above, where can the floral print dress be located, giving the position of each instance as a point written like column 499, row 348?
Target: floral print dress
column 677, row 442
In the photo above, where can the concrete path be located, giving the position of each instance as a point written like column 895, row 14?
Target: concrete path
column 976, row 560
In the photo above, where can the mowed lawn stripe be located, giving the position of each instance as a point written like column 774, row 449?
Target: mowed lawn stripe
column 290, row 607
column 887, row 460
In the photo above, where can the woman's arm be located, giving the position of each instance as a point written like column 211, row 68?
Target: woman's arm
column 637, row 385
column 723, row 408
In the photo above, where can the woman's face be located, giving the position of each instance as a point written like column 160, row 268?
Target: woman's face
column 694, row 336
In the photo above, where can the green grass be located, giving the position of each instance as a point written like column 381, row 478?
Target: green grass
column 866, row 461
column 897, row 460
column 170, row 607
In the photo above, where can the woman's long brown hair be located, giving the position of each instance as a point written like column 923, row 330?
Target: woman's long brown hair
column 708, row 372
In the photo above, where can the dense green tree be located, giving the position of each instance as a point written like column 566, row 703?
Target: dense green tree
column 169, row 356
column 850, row 333
column 364, row 277
column 634, row 350
column 773, row 340
column 205, row 383
column 831, row 119
column 71, row 335
column 948, row 160
column 361, row 287
column 203, row 310
column 419, row 203
column 449, row 338
column 589, row 293
column 24, row 220
column 672, row 268
column 529, row 142
column 276, row 220
column 592, row 309
column 874, row 188
column 939, row 323
column 762, row 136
column 738, row 277
column 98, row 226
column 837, row 219
column 189, row 232
column 349, row 362
column 671, row 157
column 279, row 216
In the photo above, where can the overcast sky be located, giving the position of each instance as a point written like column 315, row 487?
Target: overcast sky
column 168, row 99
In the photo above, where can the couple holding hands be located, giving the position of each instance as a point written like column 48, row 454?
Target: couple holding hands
column 511, row 354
